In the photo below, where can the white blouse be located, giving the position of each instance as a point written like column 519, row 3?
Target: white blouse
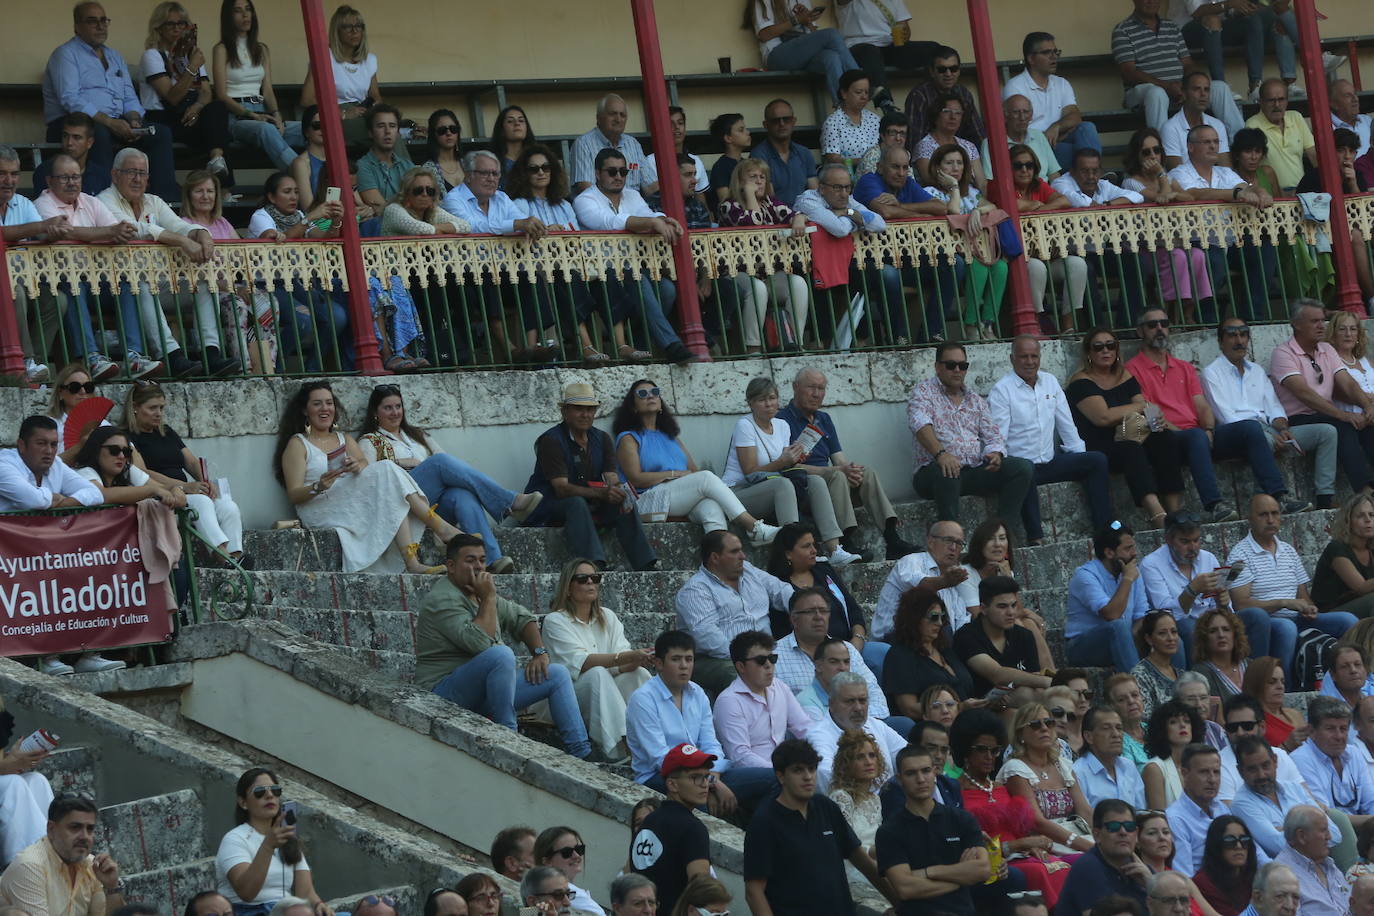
column 840, row 136
column 570, row 641
column 402, row 445
column 1363, row 373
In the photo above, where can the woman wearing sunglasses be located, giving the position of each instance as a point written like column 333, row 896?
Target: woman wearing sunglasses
column 444, row 146
column 703, row 896
column 659, row 467
column 590, row 642
column 1038, row 772
column 561, row 848
column 1182, row 270
column 1060, row 702
column 1069, row 272
column 415, row 209
column 1107, row 406
column 1228, row 866
column 260, row 861
column 921, row 656
column 975, row 744
column 72, row 385
column 1172, row 728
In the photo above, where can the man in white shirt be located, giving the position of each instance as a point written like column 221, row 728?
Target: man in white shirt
column 1345, row 112
column 1084, row 186
column 849, row 710
column 32, row 477
column 872, row 29
column 1202, row 174
column 128, row 200
column 1197, row 95
column 613, row 206
column 1052, row 99
column 1029, row 407
column 1192, row 812
column 937, row 569
column 1335, row 772
column 677, row 121
column 1238, row 389
column 609, row 133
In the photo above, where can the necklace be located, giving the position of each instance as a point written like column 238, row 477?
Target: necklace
column 978, row 785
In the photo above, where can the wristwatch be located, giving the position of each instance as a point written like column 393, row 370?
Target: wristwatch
column 540, row 651
column 117, row 889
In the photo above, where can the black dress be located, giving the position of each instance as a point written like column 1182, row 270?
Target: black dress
column 907, row 671
column 1151, row 467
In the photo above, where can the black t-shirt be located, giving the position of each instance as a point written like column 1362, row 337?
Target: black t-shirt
column 907, row 671
column 1020, row 651
column 905, row 839
column 802, row 858
column 669, row 838
column 162, row 452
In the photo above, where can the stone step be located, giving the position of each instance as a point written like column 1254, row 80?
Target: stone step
column 153, row 833
column 70, row 770
column 169, row 888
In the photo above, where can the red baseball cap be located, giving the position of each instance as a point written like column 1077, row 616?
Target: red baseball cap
column 685, row 757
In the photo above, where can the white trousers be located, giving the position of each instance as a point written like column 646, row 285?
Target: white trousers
column 702, row 497
column 218, row 520
column 787, row 289
column 601, row 696
column 24, row 800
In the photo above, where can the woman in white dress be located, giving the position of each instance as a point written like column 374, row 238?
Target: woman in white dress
column 463, row 495
column 858, row 768
column 260, row 861
column 760, row 455
column 562, row 848
column 332, row 485
column 590, row 642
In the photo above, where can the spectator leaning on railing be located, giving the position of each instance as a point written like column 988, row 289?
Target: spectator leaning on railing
column 32, row 477
column 22, row 222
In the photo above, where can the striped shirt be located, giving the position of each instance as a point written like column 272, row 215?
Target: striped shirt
column 797, row 670
column 1158, row 52
column 1270, row 576
column 586, row 147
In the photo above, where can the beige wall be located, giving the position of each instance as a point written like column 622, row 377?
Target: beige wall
column 446, row 40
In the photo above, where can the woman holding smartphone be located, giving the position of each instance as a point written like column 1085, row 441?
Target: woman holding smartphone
column 260, row 861
column 789, row 40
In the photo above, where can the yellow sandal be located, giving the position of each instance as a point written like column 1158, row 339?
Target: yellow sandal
column 412, row 552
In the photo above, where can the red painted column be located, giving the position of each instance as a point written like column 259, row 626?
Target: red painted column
column 990, row 96
column 366, row 358
column 11, row 353
column 661, row 135
column 1319, row 102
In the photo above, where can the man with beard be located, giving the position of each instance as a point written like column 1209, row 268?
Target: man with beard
column 58, row 875
column 1106, row 598
column 1264, row 799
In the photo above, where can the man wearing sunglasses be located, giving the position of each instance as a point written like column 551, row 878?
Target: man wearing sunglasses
column 1111, row 865
column 1264, row 798
column 1243, row 717
column 791, row 165
column 1309, row 376
column 1055, row 112
column 959, row 450
column 944, row 77
column 32, row 477
column 756, row 712
column 546, row 889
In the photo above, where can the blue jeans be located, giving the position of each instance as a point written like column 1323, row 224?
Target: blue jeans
column 1089, row 467
column 317, row 325
column 1257, row 265
column 1107, row 645
column 465, row 496
column 1245, row 439
column 751, row 785
column 1084, row 136
column 80, row 329
column 1196, row 452
column 494, row 686
column 265, row 136
column 1251, row 31
column 657, row 304
column 822, row 51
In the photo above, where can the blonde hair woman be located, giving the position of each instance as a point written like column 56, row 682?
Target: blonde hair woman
column 1344, row 577
column 1345, row 332
column 355, row 73
column 859, row 767
column 415, row 209
column 175, row 88
column 1039, row 773
column 752, row 203
column 590, row 642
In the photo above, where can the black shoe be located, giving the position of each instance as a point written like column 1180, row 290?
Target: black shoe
column 651, row 566
column 1294, row 506
column 898, row 548
column 1324, row 501
column 852, row 546
column 180, row 366
column 677, row 352
column 220, row 364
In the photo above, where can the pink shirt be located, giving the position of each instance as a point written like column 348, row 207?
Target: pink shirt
column 966, row 429
column 1172, row 387
column 749, row 726
column 221, row 230
column 86, row 213
column 1289, row 359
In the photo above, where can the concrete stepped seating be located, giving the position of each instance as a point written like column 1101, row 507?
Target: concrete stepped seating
column 153, row 833
column 169, row 888
column 72, row 770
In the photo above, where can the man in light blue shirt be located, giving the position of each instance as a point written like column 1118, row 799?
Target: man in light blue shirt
column 1335, row 772
column 1193, row 811
column 1102, row 773
column 1323, row 888
column 85, row 75
column 1106, row 599
column 1264, row 799
column 671, row 710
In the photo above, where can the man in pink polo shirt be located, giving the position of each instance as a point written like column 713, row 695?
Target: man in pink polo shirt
column 1309, row 377
column 1173, row 385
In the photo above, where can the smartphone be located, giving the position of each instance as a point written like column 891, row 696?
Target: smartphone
column 332, row 195
column 1236, row 570
column 288, row 813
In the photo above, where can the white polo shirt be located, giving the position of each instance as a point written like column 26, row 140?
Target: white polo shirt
column 1046, row 104
column 1175, row 134
column 905, row 575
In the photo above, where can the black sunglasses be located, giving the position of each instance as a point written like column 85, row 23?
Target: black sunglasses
column 539, row 169
column 1040, row 723
column 1321, row 376
column 1155, row 323
column 1151, row 150
column 1023, row 165
column 584, row 578
column 771, row 658
column 422, row 190
column 260, row 791
column 567, row 852
column 1100, row 345
column 955, row 365
column 1118, row 826
column 947, row 69
column 445, row 129
column 619, row 172
column 388, row 389
column 78, row 387
column 1068, row 715
column 1232, row 840
column 1241, row 726
column 114, row 451
column 937, row 617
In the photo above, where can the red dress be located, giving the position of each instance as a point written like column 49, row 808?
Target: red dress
column 1005, row 817
column 1276, row 729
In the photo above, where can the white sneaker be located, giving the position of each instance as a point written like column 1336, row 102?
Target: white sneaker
column 99, row 367
column 51, row 664
column 840, row 558
column 36, row 373
column 142, row 367
column 762, row 533
column 96, row 662
column 1332, row 62
column 217, row 166
column 1252, row 98
column 1296, row 93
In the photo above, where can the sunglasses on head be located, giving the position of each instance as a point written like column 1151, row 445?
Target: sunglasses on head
column 114, row 451
column 260, row 791
column 645, row 393
column 385, row 390
column 955, row 365
column 422, row 190
column 771, row 658
column 78, row 387
column 1100, row 345
column 616, row 171
column 445, row 129
column 538, row 168
column 568, row 852
column 585, row 578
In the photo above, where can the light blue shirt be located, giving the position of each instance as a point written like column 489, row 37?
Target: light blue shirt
column 500, row 215
column 1264, row 819
column 76, row 80
column 813, row 206
column 1189, row 824
column 654, row 726
column 1317, row 897
column 20, row 210
column 1352, row 791
column 559, row 214
column 1096, row 784
column 715, row 613
column 1090, row 589
column 1164, row 581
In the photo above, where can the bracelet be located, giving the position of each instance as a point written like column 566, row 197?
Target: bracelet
column 939, row 453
